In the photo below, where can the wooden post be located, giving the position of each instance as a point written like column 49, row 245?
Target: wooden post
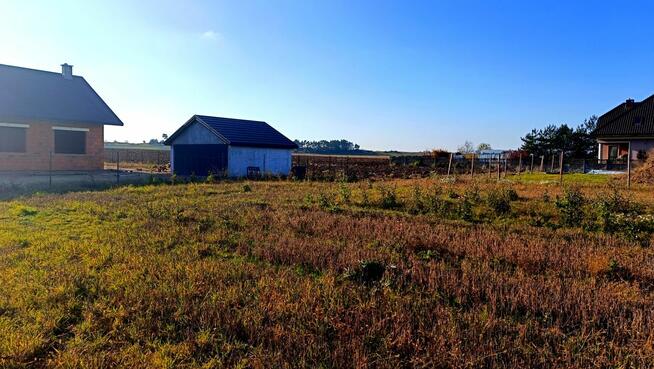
column 552, row 167
column 542, row 163
column 449, row 165
column 629, row 167
column 561, row 168
column 499, row 164
column 531, row 167
column 117, row 167
column 520, row 164
column 472, row 166
column 490, row 162
column 506, row 160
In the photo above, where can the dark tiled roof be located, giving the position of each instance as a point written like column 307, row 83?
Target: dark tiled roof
column 239, row 132
column 623, row 121
column 28, row 95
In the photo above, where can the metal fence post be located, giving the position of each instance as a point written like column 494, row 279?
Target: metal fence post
column 472, row 166
column 118, row 167
column 499, row 164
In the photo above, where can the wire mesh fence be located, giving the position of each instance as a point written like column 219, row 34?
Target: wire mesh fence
column 323, row 167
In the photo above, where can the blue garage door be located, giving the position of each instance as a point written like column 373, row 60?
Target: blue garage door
column 199, row 159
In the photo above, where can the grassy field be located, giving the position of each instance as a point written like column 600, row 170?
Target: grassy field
column 408, row 273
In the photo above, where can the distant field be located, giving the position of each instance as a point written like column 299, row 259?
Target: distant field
column 135, row 146
column 409, row 273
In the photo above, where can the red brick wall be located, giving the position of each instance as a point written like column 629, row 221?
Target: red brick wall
column 40, row 142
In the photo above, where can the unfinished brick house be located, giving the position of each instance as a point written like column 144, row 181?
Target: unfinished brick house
column 51, row 121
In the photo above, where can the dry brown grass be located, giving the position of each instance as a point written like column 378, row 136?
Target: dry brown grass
column 216, row 275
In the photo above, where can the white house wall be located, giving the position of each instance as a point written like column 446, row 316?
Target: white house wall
column 269, row 161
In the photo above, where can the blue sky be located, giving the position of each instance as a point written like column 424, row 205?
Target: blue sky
column 405, row 75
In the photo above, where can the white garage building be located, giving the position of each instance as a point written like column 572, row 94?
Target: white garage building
column 237, row 147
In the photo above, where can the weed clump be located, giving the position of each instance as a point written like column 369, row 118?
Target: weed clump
column 388, row 198
column 570, row 207
column 499, row 201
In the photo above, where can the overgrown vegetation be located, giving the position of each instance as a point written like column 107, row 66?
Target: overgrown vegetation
column 416, row 273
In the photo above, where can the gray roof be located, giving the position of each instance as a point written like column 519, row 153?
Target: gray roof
column 29, row 95
column 240, row 132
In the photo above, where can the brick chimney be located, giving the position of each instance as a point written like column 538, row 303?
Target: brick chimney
column 67, row 71
column 629, row 104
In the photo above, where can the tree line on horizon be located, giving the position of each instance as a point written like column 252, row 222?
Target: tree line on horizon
column 327, row 146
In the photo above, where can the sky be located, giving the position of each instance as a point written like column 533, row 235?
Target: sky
column 388, row 75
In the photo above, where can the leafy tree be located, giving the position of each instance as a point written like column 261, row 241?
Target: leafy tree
column 332, row 146
column 483, row 146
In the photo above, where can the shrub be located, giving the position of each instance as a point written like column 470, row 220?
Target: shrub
column 570, row 207
column 435, row 204
column 611, row 209
column 388, row 198
column 465, row 210
column 417, row 205
column 511, row 194
column 472, row 194
column 247, row 188
column 324, row 201
column 499, row 201
column 345, row 193
column 452, row 194
column 365, row 198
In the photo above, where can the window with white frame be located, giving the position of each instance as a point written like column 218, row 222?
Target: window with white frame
column 13, row 138
column 69, row 140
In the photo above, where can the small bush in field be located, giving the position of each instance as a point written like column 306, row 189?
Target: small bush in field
column 324, row 201
column 511, row 194
column 345, row 192
column 612, row 209
column 499, row 201
column 308, row 200
column 247, row 188
column 365, row 197
column 174, row 179
column 388, row 198
column 434, row 202
column 465, row 209
column 472, row 194
column 570, row 207
column 416, row 206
